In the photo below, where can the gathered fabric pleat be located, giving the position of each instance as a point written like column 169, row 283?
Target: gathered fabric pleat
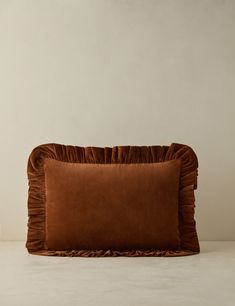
column 119, row 154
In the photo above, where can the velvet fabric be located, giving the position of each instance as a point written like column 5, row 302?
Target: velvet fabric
column 120, row 201
column 112, row 206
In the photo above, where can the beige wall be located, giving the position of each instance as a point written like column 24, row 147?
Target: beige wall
column 116, row 72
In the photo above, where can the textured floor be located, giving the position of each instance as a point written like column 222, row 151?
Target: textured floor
column 204, row 279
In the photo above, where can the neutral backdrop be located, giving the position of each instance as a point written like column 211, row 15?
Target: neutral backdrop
column 119, row 72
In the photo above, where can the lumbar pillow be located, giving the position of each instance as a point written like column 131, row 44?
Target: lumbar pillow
column 120, row 201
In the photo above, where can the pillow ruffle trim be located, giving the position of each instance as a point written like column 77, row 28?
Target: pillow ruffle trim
column 36, row 243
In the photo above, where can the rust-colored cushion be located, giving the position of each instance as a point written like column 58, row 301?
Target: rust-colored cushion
column 125, row 200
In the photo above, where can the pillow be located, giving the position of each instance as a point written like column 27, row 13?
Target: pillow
column 120, row 201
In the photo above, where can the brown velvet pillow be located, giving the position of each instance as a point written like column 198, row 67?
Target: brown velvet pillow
column 125, row 200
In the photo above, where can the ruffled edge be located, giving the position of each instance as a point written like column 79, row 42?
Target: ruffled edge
column 36, row 243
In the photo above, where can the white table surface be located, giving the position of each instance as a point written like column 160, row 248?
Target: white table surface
column 199, row 280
